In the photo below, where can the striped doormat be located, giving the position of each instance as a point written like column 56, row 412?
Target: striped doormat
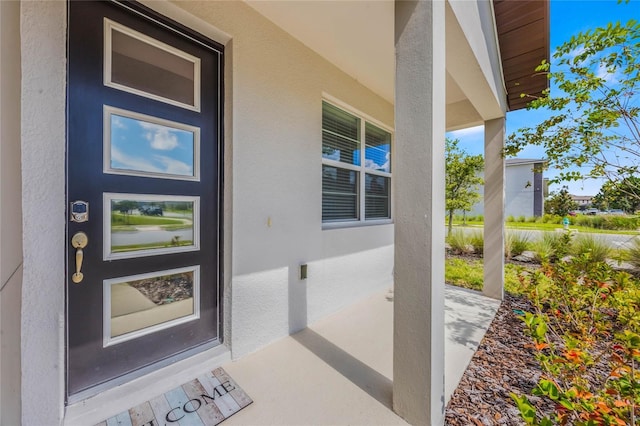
column 204, row 401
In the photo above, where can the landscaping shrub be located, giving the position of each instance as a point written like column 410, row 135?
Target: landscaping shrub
column 633, row 253
column 460, row 242
column 515, row 243
column 531, row 219
column 521, row 219
column 585, row 334
column 551, row 246
column 597, row 249
column 510, row 218
column 476, row 239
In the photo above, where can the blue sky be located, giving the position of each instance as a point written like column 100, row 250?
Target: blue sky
column 148, row 147
column 568, row 17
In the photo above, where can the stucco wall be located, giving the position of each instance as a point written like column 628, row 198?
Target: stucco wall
column 10, row 213
column 43, row 32
column 276, row 97
column 519, row 192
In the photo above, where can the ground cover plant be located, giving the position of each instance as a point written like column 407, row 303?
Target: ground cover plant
column 585, row 331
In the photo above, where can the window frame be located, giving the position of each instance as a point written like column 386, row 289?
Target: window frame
column 360, row 169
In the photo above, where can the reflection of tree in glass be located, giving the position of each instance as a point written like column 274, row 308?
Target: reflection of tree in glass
column 166, row 289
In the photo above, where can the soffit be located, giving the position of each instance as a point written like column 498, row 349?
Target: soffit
column 356, row 36
column 523, row 36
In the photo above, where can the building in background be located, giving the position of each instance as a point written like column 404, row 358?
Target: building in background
column 525, row 188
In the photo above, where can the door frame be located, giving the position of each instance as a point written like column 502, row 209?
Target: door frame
column 149, row 14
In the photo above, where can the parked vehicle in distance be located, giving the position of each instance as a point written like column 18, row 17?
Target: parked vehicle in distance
column 617, row 212
column 591, row 212
column 151, row 210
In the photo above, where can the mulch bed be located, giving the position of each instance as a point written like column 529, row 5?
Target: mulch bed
column 503, row 363
column 166, row 289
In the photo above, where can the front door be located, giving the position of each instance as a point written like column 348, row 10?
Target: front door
column 144, row 172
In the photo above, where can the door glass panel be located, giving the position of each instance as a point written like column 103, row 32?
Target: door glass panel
column 141, row 304
column 144, row 225
column 141, row 145
column 140, row 64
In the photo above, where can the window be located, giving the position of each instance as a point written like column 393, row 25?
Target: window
column 356, row 168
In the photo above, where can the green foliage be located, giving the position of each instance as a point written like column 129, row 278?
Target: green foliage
column 560, row 203
column 462, row 178
column 470, row 274
column 460, row 242
column 633, row 254
column 463, row 273
column 515, row 243
column 551, row 246
column 477, row 242
column 596, row 249
column 586, row 316
column 624, row 195
column 594, row 120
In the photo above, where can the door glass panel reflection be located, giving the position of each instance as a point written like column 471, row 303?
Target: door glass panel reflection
column 142, row 304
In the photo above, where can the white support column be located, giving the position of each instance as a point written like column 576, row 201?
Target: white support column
column 418, row 177
column 494, row 209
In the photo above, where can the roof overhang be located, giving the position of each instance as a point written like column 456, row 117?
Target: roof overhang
column 523, row 36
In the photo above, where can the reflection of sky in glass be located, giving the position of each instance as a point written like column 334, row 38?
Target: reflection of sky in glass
column 148, row 147
column 377, row 158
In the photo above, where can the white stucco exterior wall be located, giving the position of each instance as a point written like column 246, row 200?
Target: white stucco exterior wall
column 277, row 184
column 43, row 41
column 519, row 191
column 10, row 214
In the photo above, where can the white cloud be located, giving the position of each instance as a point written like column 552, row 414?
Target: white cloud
column 117, row 122
column 174, row 166
column 160, row 137
column 132, row 163
column 606, row 75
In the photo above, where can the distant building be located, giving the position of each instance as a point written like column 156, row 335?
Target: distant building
column 525, row 188
column 583, row 201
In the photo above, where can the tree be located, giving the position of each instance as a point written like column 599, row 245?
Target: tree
column 615, row 195
column 560, row 203
column 462, row 179
column 594, row 115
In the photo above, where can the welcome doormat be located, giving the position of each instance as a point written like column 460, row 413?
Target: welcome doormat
column 206, row 401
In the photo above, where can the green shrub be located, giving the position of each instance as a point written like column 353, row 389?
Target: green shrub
column 477, row 242
column 551, row 218
column 597, row 249
column 521, row 219
column 460, row 242
column 586, row 319
column 510, row 218
column 551, row 246
column 516, row 243
column 634, row 252
column 531, row 219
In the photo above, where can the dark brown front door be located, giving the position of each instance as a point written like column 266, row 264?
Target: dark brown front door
column 143, row 190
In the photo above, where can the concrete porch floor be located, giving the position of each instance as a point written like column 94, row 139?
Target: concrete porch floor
column 338, row 371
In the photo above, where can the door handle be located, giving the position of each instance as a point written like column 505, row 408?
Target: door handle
column 79, row 241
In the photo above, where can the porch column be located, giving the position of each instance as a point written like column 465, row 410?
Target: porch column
column 418, row 345
column 494, row 209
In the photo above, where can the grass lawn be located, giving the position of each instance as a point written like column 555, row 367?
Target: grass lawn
column 547, row 227
column 121, row 219
column 469, row 273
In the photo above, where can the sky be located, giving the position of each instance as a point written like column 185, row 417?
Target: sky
column 568, row 17
column 148, row 147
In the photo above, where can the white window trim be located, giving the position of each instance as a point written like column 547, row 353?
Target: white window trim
column 361, row 169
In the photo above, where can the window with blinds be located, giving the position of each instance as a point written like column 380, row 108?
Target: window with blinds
column 356, row 168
